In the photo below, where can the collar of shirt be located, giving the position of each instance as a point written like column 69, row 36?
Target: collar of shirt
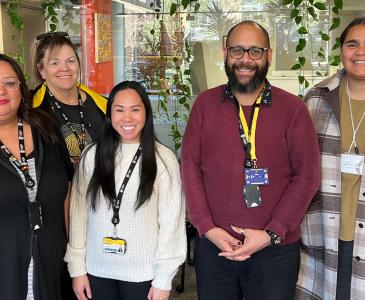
column 266, row 94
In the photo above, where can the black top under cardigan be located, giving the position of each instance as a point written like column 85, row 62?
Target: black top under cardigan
column 18, row 242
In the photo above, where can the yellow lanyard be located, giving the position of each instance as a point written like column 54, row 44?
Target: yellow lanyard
column 251, row 134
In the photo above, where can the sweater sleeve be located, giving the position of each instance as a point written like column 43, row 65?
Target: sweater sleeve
column 192, row 176
column 171, row 249
column 304, row 160
column 76, row 247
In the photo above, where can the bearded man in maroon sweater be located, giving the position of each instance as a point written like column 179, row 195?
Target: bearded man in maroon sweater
column 250, row 168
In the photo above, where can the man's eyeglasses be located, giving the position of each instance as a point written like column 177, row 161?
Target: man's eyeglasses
column 10, row 83
column 254, row 53
column 43, row 36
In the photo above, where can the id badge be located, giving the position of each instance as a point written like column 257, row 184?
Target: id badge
column 114, row 245
column 252, row 196
column 257, row 176
column 352, row 164
column 36, row 215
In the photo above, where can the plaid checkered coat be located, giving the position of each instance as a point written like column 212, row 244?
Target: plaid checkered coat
column 320, row 227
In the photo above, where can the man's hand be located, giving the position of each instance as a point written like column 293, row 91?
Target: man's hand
column 222, row 239
column 157, row 294
column 255, row 240
column 81, row 287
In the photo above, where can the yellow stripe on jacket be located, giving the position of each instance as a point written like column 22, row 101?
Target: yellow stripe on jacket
column 99, row 100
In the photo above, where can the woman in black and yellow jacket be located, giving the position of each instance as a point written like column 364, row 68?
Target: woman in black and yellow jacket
column 78, row 111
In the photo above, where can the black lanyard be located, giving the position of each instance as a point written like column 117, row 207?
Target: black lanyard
column 117, row 201
column 55, row 105
column 22, row 165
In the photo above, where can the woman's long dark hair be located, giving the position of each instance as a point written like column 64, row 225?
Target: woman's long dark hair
column 103, row 174
column 36, row 118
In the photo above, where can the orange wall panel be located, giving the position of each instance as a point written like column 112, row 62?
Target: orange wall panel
column 97, row 76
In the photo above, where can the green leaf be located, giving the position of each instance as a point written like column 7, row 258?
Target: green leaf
column 187, row 106
column 297, row 2
column 301, row 60
column 335, row 60
column 294, row 13
column 300, row 96
column 54, row 19
column 182, row 100
column 312, row 12
column 152, row 31
column 52, row 27
column 296, row 67
column 337, row 44
column 287, row 2
column 51, row 10
column 324, row 36
column 303, row 30
column 311, row 1
column 177, row 146
column 335, row 23
column 197, row 6
column 185, row 3
column 298, row 20
column 319, row 74
column 187, row 72
column 298, row 48
column 306, row 83
column 302, row 43
column 335, row 10
column 301, row 79
column 173, row 8
column 320, row 5
column 338, row 4
column 320, row 54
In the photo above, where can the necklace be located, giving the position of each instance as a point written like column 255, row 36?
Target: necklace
column 354, row 130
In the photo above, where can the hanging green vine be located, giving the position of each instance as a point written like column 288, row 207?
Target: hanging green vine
column 49, row 8
column 175, row 92
column 13, row 11
column 303, row 13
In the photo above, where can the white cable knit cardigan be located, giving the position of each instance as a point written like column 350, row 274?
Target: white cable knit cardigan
column 155, row 233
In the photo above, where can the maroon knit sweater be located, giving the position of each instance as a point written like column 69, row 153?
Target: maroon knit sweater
column 213, row 165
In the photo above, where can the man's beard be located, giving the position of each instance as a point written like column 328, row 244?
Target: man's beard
column 255, row 81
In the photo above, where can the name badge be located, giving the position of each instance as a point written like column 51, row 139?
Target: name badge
column 257, row 176
column 114, row 245
column 352, row 164
column 252, row 196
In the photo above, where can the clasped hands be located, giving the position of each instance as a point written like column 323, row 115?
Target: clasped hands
column 234, row 249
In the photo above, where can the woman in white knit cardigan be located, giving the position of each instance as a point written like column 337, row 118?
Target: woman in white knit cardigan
column 127, row 227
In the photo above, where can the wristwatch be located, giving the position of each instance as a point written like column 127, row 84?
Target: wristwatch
column 275, row 238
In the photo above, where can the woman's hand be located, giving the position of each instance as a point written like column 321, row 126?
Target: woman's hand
column 157, row 294
column 81, row 287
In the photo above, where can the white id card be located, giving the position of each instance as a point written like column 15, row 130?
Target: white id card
column 352, row 164
column 114, row 245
